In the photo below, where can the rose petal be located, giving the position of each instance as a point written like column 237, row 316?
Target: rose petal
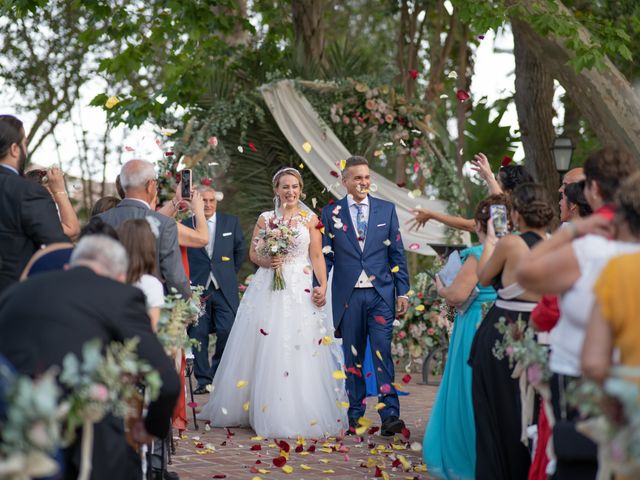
column 263, row 332
column 306, row 146
column 380, row 319
column 279, row 461
column 406, row 378
column 252, row 147
column 462, row 95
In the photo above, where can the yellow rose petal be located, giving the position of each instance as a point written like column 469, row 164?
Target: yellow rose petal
column 328, row 471
column 327, row 340
column 242, row 384
column 378, row 354
column 324, row 460
column 395, row 269
column 257, row 439
column 225, row 259
column 420, row 308
column 380, row 406
column 343, row 163
column 245, row 406
column 287, row 469
column 305, row 467
column 111, row 102
column 344, row 404
column 306, row 146
column 301, row 166
column 304, row 213
column 339, row 375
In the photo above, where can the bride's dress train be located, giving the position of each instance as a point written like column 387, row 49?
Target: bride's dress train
column 276, row 373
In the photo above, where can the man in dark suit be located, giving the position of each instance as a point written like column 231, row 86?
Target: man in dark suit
column 28, row 216
column 369, row 287
column 138, row 179
column 215, row 267
column 52, row 314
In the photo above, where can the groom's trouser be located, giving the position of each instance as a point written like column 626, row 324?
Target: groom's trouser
column 364, row 316
column 217, row 317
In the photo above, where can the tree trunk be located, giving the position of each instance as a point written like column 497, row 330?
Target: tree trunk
column 605, row 99
column 534, row 104
column 308, row 24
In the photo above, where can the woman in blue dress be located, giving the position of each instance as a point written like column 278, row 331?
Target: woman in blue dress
column 449, row 445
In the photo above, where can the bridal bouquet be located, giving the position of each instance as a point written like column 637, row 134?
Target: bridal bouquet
column 277, row 239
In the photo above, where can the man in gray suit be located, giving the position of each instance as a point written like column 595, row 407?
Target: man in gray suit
column 138, row 179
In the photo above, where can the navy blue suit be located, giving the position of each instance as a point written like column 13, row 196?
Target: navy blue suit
column 357, row 311
column 229, row 251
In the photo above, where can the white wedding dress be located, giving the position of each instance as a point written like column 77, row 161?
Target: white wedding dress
column 276, row 373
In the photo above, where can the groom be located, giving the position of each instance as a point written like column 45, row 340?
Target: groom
column 370, row 283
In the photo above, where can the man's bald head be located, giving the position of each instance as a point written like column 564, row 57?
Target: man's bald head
column 574, row 175
column 135, row 174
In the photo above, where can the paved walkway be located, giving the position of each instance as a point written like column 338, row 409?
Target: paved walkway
column 238, row 454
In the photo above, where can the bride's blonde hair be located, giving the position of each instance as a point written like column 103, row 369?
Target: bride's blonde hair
column 288, row 171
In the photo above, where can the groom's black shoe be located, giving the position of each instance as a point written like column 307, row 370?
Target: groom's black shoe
column 201, row 390
column 353, row 424
column 391, row 426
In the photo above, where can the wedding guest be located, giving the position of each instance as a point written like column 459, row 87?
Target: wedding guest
column 569, row 266
column 449, row 443
column 28, row 217
column 614, row 320
column 138, row 239
column 215, row 268
column 53, row 180
column 508, row 178
column 139, row 182
column 573, row 203
column 96, row 226
column 500, row 454
column 103, row 204
column 73, row 306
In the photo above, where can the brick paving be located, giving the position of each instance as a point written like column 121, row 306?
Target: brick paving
column 206, row 454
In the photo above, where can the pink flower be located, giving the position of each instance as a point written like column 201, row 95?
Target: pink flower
column 430, row 331
column 370, row 104
column 242, row 287
column 509, row 350
column 99, row 392
column 402, row 334
column 388, row 118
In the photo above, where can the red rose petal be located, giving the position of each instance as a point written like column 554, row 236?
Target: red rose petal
column 369, row 374
column 354, row 371
column 334, row 173
column 168, row 154
column 252, row 147
column 331, row 201
column 481, row 37
column 401, row 184
column 413, row 74
column 386, row 388
column 373, row 430
column 506, row 160
column 254, row 470
column 398, row 237
column 255, row 448
column 263, row 332
column 307, row 290
column 462, row 95
column 311, row 449
column 319, row 225
column 205, row 181
column 192, row 404
column 283, row 445
column 279, row 461
column 406, row 378
column 380, row 319
column 199, row 445
column 406, row 433
column 219, row 475
column 396, row 463
column 299, row 448
column 378, row 472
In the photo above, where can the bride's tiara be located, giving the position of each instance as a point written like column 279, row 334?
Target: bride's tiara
column 282, row 171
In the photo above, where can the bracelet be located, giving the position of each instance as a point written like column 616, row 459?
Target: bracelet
column 60, row 193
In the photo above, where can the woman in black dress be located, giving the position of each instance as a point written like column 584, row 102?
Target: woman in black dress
column 496, row 396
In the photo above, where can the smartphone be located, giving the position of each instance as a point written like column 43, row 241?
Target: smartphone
column 499, row 218
column 186, row 183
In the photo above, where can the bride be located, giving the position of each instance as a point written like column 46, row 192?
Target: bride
column 277, row 371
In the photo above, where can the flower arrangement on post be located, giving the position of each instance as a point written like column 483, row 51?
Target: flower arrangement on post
column 278, row 238
column 103, row 383
column 426, row 326
column 613, row 420
column 176, row 315
column 29, row 426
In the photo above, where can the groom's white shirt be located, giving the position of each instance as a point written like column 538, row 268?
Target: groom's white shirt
column 363, row 280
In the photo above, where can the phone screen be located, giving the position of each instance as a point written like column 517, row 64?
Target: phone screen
column 186, row 183
column 499, row 219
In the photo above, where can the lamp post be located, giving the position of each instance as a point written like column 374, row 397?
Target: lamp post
column 562, row 152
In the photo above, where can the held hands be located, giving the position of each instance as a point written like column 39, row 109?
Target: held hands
column 319, row 296
column 402, row 305
column 421, row 217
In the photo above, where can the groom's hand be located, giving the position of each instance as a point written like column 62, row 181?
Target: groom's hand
column 402, row 305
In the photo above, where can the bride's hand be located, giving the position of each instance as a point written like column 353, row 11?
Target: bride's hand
column 276, row 262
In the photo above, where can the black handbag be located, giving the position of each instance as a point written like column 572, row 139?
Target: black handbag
column 571, row 445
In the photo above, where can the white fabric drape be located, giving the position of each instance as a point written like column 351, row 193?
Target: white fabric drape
column 300, row 124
